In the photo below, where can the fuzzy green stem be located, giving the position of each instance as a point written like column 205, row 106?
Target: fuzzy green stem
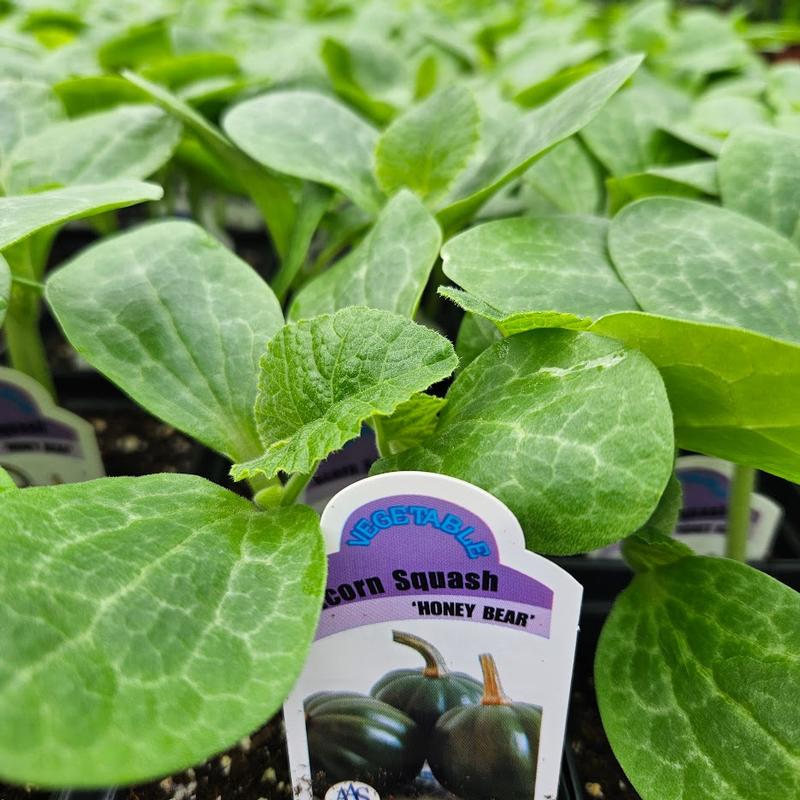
column 381, row 442
column 294, row 486
column 25, row 347
column 739, row 512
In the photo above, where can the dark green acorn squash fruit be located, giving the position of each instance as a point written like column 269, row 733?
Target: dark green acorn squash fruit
column 425, row 694
column 488, row 751
column 355, row 737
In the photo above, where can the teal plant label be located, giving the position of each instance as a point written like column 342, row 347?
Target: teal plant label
column 442, row 661
column 40, row 443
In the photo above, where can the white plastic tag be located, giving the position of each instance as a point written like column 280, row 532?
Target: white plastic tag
column 40, row 443
column 703, row 522
column 442, row 663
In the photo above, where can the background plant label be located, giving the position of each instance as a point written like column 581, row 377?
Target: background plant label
column 342, row 468
column 703, row 522
column 442, row 663
column 40, row 443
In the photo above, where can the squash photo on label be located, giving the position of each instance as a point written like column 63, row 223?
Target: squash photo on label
column 425, row 694
column 352, row 737
column 488, row 751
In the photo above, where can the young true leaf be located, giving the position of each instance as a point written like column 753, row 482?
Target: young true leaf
column 697, row 674
column 269, row 192
column 23, row 215
column 533, row 135
column 175, row 619
column 475, row 334
column 571, row 431
column 310, row 136
column 568, row 178
column 759, row 172
column 179, row 323
column 25, row 108
column 5, row 288
column 681, row 258
column 718, row 379
column 321, row 378
column 411, row 423
column 427, row 147
column 125, row 142
column 388, row 269
column 545, row 264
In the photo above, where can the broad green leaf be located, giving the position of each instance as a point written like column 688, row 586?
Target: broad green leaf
column 5, row 288
column 698, row 139
column 475, row 334
column 427, row 147
column 89, row 93
column 368, row 74
column 124, row 142
column 700, row 175
column 176, row 617
column 322, row 378
column 720, row 115
column 535, row 134
column 704, row 42
column 22, row 215
column 514, row 322
column 411, row 423
column 697, row 675
column 734, row 394
column 759, row 173
column 309, row 135
column 571, row 431
column 139, row 44
column 681, row 258
column 388, row 269
column 531, row 66
column 269, row 193
column 692, row 180
column 178, row 322
column 568, row 178
column 625, row 136
column 546, row 264
column 783, row 86
column 25, row 108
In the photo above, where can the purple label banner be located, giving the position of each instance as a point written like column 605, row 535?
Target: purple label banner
column 412, row 556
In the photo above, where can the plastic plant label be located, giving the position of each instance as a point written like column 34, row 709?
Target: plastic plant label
column 703, row 520
column 40, row 443
column 443, row 658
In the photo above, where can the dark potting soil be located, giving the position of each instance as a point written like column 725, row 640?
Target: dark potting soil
column 600, row 774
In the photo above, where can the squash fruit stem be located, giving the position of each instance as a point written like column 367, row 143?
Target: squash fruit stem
column 435, row 666
column 493, row 694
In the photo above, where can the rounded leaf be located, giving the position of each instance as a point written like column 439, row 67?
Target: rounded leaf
column 572, row 431
column 146, row 624
column 698, row 675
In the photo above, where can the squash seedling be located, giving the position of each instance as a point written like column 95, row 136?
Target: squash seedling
column 148, row 623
